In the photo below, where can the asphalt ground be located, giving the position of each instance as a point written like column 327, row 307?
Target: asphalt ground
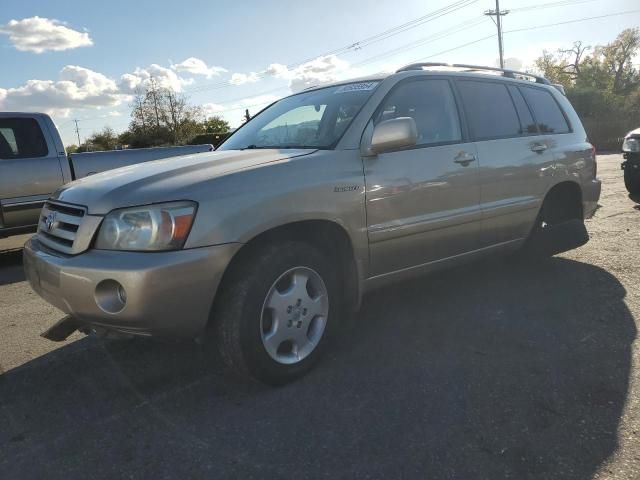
column 493, row 370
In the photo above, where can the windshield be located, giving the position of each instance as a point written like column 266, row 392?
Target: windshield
column 315, row 119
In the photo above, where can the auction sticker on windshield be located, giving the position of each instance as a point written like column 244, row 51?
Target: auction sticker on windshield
column 357, row 87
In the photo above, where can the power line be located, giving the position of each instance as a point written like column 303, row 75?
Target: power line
column 454, row 48
column 523, row 29
column 498, row 14
column 562, row 3
column 571, row 21
column 359, row 44
column 422, row 41
column 419, row 42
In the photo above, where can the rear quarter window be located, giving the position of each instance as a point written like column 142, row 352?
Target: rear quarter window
column 489, row 110
column 548, row 115
column 21, row 138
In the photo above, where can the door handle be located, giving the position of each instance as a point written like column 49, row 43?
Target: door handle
column 538, row 147
column 464, row 158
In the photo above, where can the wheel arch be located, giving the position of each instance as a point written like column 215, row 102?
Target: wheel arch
column 565, row 192
column 327, row 235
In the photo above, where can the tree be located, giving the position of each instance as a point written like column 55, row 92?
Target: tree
column 617, row 57
column 603, row 85
column 564, row 66
column 161, row 116
column 106, row 139
column 215, row 124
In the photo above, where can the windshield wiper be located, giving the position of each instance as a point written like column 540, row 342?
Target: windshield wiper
column 280, row 147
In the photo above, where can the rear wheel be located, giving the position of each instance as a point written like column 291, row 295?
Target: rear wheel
column 276, row 311
column 632, row 180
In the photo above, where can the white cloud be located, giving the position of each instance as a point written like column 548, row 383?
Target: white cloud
column 38, row 35
column 242, row 78
column 319, row 71
column 278, row 70
column 77, row 87
column 257, row 101
column 211, row 109
column 195, row 66
column 164, row 77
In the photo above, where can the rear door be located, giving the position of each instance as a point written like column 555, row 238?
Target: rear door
column 29, row 171
column 514, row 159
column 422, row 202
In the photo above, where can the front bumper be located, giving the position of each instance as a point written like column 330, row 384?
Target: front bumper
column 168, row 294
column 590, row 196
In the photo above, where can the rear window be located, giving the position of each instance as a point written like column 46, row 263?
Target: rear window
column 21, row 138
column 490, row 110
column 548, row 115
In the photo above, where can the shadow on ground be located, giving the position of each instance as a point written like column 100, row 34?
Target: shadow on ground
column 485, row 372
column 11, row 267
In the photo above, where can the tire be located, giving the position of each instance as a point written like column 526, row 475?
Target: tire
column 632, row 180
column 256, row 311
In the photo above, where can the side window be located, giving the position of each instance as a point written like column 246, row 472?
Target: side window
column 490, row 110
column 21, row 138
column 527, row 123
column 546, row 110
column 432, row 106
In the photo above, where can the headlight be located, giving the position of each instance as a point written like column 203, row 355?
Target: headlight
column 152, row 227
column 631, row 145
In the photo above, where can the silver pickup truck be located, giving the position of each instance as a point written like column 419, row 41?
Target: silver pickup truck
column 34, row 164
column 267, row 244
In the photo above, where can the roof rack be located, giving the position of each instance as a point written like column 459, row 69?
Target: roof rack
column 473, row 68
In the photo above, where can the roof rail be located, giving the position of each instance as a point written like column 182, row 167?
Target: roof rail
column 471, row 68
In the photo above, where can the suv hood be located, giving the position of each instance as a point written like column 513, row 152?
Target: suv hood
column 163, row 180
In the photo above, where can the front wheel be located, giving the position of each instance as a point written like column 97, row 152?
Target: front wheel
column 632, row 180
column 276, row 311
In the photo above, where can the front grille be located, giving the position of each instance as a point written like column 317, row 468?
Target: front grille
column 59, row 225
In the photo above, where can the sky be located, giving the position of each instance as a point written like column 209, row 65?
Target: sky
column 80, row 59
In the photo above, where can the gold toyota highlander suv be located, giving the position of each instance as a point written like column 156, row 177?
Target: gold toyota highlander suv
column 265, row 245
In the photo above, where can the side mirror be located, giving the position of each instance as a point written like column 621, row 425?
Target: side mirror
column 394, row 134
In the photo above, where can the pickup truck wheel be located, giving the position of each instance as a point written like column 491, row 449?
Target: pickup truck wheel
column 277, row 311
column 632, row 180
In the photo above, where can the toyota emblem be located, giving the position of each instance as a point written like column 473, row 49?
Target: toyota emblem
column 49, row 221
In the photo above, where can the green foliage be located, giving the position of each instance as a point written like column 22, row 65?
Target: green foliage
column 603, row 87
column 214, row 139
column 106, row 139
column 216, row 124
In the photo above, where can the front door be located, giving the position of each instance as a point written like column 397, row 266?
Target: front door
column 422, row 202
column 29, row 171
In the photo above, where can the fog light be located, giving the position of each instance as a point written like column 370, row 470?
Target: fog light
column 110, row 296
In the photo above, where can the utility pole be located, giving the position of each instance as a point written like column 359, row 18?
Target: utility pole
column 77, row 132
column 247, row 117
column 498, row 21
